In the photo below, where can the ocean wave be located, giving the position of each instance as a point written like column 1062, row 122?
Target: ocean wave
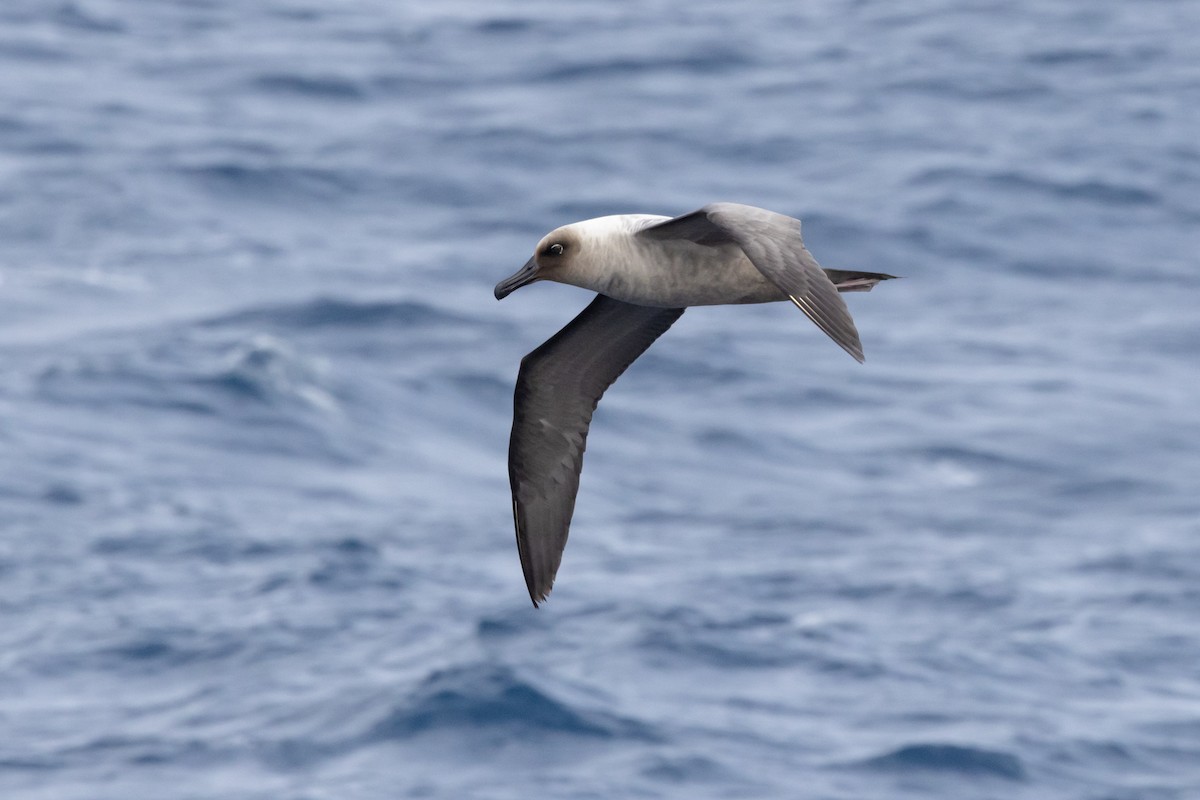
column 179, row 373
column 950, row 758
column 716, row 59
column 152, row 651
column 687, row 769
column 1008, row 88
column 330, row 312
column 1103, row 191
column 283, row 182
column 322, row 87
column 71, row 15
column 489, row 696
column 751, row 641
column 979, row 459
column 1071, row 55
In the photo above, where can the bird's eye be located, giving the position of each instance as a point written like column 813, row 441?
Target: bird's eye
column 555, row 249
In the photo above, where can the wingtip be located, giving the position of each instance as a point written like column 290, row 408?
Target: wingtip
column 854, row 348
column 538, row 595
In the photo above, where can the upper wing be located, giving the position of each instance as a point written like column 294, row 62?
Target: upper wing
column 772, row 243
column 558, row 388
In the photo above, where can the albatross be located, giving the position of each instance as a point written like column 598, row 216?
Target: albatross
column 646, row 269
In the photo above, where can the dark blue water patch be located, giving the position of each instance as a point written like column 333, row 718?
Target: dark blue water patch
column 63, row 494
column 135, row 750
column 488, row 697
column 153, row 751
column 483, row 389
column 956, row 594
column 828, row 225
column 279, row 183
column 727, row 440
column 1170, row 597
column 256, row 373
column 409, row 84
column 824, row 398
column 20, row 51
column 443, row 191
column 787, row 524
column 1181, row 337
column 743, row 524
column 1067, row 268
column 1082, row 752
column 234, row 148
column 505, row 25
column 317, row 87
column 51, row 145
column 260, row 380
column 950, row 758
column 980, row 458
column 503, row 626
column 685, row 770
column 10, row 124
column 764, row 150
column 166, row 649
column 210, row 541
column 1099, row 191
column 23, row 136
column 682, row 371
column 295, row 13
column 333, row 312
column 100, row 384
column 759, row 642
column 1109, row 489
column 1141, row 57
column 990, row 88
column 1155, row 564
column 352, row 564
column 29, row 764
column 353, row 546
column 71, row 15
column 515, row 140
column 267, row 373
column 717, row 59
column 294, row 754
column 1070, row 55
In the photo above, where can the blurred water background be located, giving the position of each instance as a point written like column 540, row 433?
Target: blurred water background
column 255, row 534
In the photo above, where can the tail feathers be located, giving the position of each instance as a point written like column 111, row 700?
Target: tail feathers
column 850, row 281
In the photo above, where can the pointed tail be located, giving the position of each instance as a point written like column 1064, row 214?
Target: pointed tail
column 850, row 281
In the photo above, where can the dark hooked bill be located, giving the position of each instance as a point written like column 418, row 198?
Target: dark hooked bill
column 526, row 274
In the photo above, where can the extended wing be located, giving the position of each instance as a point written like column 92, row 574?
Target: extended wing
column 558, row 388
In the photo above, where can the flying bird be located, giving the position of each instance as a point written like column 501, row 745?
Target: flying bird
column 646, row 269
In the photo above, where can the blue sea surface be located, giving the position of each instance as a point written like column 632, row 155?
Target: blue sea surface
column 255, row 530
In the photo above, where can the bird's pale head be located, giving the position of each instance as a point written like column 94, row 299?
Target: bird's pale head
column 553, row 260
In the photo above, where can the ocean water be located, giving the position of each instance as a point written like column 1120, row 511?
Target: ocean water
column 255, row 533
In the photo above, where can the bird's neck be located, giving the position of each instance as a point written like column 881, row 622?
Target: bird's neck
column 611, row 259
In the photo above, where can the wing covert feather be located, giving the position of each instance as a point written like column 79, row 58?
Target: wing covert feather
column 774, row 245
